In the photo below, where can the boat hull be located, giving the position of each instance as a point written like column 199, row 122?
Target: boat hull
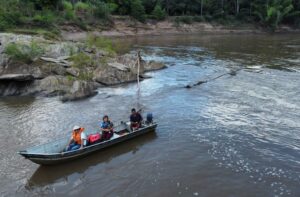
column 57, row 158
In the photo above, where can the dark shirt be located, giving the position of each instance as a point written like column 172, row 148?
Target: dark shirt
column 136, row 118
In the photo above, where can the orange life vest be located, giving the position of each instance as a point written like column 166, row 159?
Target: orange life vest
column 77, row 135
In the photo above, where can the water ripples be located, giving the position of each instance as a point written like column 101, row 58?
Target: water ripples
column 239, row 133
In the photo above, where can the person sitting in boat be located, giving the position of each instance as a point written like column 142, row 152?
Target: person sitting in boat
column 106, row 128
column 78, row 139
column 135, row 119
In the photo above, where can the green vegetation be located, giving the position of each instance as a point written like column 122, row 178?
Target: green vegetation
column 159, row 13
column 49, row 14
column 70, row 78
column 32, row 14
column 101, row 43
column 137, row 10
column 81, row 60
column 184, row 19
column 68, row 11
column 23, row 52
column 275, row 12
column 85, row 76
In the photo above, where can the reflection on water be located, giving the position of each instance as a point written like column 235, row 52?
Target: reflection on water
column 237, row 135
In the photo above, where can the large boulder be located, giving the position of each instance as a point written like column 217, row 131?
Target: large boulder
column 14, row 88
column 3, row 62
column 75, row 72
column 124, row 69
column 131, row 61
column 38, row 69
column 57, row 69
column 79, row 90
column 59, row 50
column 153, row 65
column 51, row 86
column 108, row 75
column 15, row 84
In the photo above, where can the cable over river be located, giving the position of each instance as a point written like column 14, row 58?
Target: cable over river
column 237, row 135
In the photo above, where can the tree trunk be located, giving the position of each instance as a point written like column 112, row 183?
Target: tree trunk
column 237, row 7
column 222, row 5
column 250, row 10
column 201, row 7
column 167, row 7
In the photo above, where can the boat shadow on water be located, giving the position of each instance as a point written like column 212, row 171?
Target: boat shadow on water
column 45, row 175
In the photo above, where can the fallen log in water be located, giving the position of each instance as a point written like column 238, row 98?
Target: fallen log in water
column 196, row 84
column 232, row 73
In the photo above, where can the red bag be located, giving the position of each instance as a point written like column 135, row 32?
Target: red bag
column 94, row 138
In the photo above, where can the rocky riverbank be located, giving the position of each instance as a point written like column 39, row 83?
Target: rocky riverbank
column 32, row 65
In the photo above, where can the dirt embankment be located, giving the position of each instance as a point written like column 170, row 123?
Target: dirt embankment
column 125, row 26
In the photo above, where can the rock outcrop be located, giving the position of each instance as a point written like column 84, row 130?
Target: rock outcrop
column 57, row 73
column 16, row 77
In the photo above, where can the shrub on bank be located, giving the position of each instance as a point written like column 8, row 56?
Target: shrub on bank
column 3, row 23
column 24, row 53
column 101, row 43
column 82, row 7
column 183, row 19
column 68, row 10
column 81, row 60
column 101, row 10
column 9, row 14
column 198, row 19
column 83, row 11
column 137, row 10
column 45, row 18
column 159, row 13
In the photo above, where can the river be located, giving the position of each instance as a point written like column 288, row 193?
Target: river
column 238, row 135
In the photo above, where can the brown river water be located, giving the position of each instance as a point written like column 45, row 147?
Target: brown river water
column 238, row 135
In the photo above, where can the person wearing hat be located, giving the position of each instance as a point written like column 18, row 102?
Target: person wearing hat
column 106, row 128
column 135, row 119
column 78, row 139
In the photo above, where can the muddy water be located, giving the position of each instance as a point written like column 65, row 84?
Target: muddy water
column 238, row 135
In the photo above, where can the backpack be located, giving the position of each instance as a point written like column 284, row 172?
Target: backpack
column 149, row 118
column 93, row 138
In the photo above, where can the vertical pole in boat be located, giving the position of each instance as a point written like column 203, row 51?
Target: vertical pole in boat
column 138, row 79
column 138, row 70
